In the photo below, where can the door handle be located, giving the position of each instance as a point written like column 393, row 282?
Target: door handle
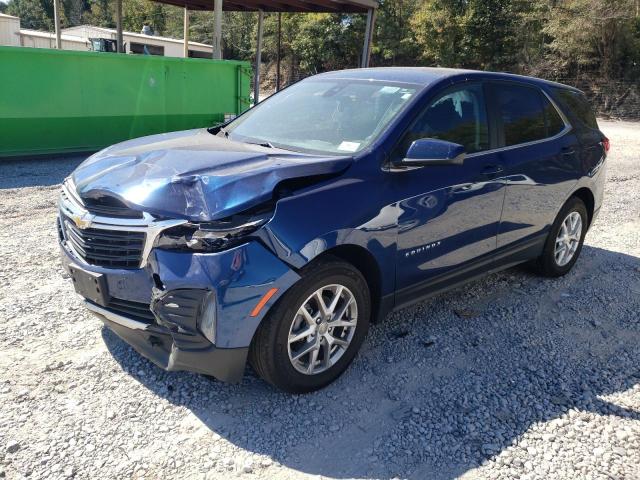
column 491, row 170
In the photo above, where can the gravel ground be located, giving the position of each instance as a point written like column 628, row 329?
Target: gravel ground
column 509, row 377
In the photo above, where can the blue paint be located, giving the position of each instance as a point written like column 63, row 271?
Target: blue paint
column 421, row 226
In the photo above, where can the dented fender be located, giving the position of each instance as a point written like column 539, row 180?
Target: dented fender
column 239, row 277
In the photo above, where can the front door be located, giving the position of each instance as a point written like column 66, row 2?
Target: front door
column 449, row 214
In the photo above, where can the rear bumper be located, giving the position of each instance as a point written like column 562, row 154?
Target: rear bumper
column 157, row 344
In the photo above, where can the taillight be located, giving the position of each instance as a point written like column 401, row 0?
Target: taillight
column 606, row 144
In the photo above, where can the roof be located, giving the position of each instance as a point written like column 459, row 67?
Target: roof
column 415, row 75
column 300, row 6
column 4, row 15
column 50, row 35
column 429, row 75
column 72, row 31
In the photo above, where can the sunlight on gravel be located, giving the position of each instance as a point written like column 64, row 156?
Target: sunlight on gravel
column 512, row 376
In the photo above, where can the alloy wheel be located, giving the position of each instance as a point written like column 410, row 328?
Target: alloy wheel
column 568, row 239
column 322, row 329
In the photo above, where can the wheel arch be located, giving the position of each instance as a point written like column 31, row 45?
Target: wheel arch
column 367, row 265
column 586, row 195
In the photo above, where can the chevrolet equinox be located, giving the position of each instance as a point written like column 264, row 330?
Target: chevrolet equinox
column 276, row 238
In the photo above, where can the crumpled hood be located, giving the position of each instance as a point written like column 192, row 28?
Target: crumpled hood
column 194, row 174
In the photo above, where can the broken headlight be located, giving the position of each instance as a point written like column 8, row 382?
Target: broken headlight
column 211, row 236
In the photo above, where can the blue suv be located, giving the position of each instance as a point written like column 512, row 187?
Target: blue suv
column 277, row 238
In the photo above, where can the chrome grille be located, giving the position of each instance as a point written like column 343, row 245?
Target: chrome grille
column 105, row 248
column 113, row 241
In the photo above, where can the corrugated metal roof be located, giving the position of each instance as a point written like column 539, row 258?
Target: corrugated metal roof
column 73, row 31
column 300, row 6
column 50, row 35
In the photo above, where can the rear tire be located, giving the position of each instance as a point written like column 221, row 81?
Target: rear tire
column 564, row 243
column 334, row 337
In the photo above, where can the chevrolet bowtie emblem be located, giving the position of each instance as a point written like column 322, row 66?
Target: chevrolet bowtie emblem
column 82, row 221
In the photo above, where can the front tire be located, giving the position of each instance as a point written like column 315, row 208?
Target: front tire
column 564, row 243
column 314, row 331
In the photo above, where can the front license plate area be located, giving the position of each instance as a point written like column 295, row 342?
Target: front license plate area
column 92, row 286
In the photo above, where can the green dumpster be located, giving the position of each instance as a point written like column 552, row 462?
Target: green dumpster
column 54, row 101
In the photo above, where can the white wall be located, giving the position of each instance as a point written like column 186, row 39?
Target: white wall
column 36, row 39
column 9, row 31
column 76, row 38
column 172, row 47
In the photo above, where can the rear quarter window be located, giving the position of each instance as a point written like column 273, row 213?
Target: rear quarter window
column 578, row 104
column 555, row 124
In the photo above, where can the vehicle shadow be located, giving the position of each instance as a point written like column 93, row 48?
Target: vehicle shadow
column 443, row 386
column 40, row 171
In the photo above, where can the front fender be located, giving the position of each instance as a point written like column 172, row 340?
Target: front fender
column 240, row 277
column 306, row 225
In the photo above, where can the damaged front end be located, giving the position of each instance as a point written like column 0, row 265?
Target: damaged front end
column 179, row 292
column 161, row 236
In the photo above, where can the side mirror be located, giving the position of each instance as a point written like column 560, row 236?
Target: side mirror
column 429, row 151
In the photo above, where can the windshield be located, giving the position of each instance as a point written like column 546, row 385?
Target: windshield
column 323, row 116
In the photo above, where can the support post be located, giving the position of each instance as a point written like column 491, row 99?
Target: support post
column 368, row 36
column 56, row 21
column 186, row 33
column 278, row 55
column 217, row 29
column 119, row 40
column 256, row 81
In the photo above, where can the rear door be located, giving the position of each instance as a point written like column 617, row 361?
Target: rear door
column 539, row 152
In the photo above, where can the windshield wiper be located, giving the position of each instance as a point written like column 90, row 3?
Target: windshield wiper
column 262, row 144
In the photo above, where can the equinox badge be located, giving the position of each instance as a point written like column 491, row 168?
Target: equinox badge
column 422, row 248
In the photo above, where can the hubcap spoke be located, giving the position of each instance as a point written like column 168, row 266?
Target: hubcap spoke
column 338, row 316
column 342, row 323
column 322, row 329
column 337, row 341
column 321, row 305
column 299, row 336
column 309, row 347
column 307, row 316
column 327, row 354
column 313, row 359
column 335, row 299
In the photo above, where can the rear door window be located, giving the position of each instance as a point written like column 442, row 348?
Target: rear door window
column 526, row 114
column 521, row 111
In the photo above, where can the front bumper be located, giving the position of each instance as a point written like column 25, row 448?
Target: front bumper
column 158, row 345
column 170, row 337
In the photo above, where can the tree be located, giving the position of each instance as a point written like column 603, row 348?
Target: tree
column 490, row 38
column 99, row 12
column 438, row 26
column 34, row 14
column 394, row 39
column 590, row 35
column 137, row 13
column 551, row 38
